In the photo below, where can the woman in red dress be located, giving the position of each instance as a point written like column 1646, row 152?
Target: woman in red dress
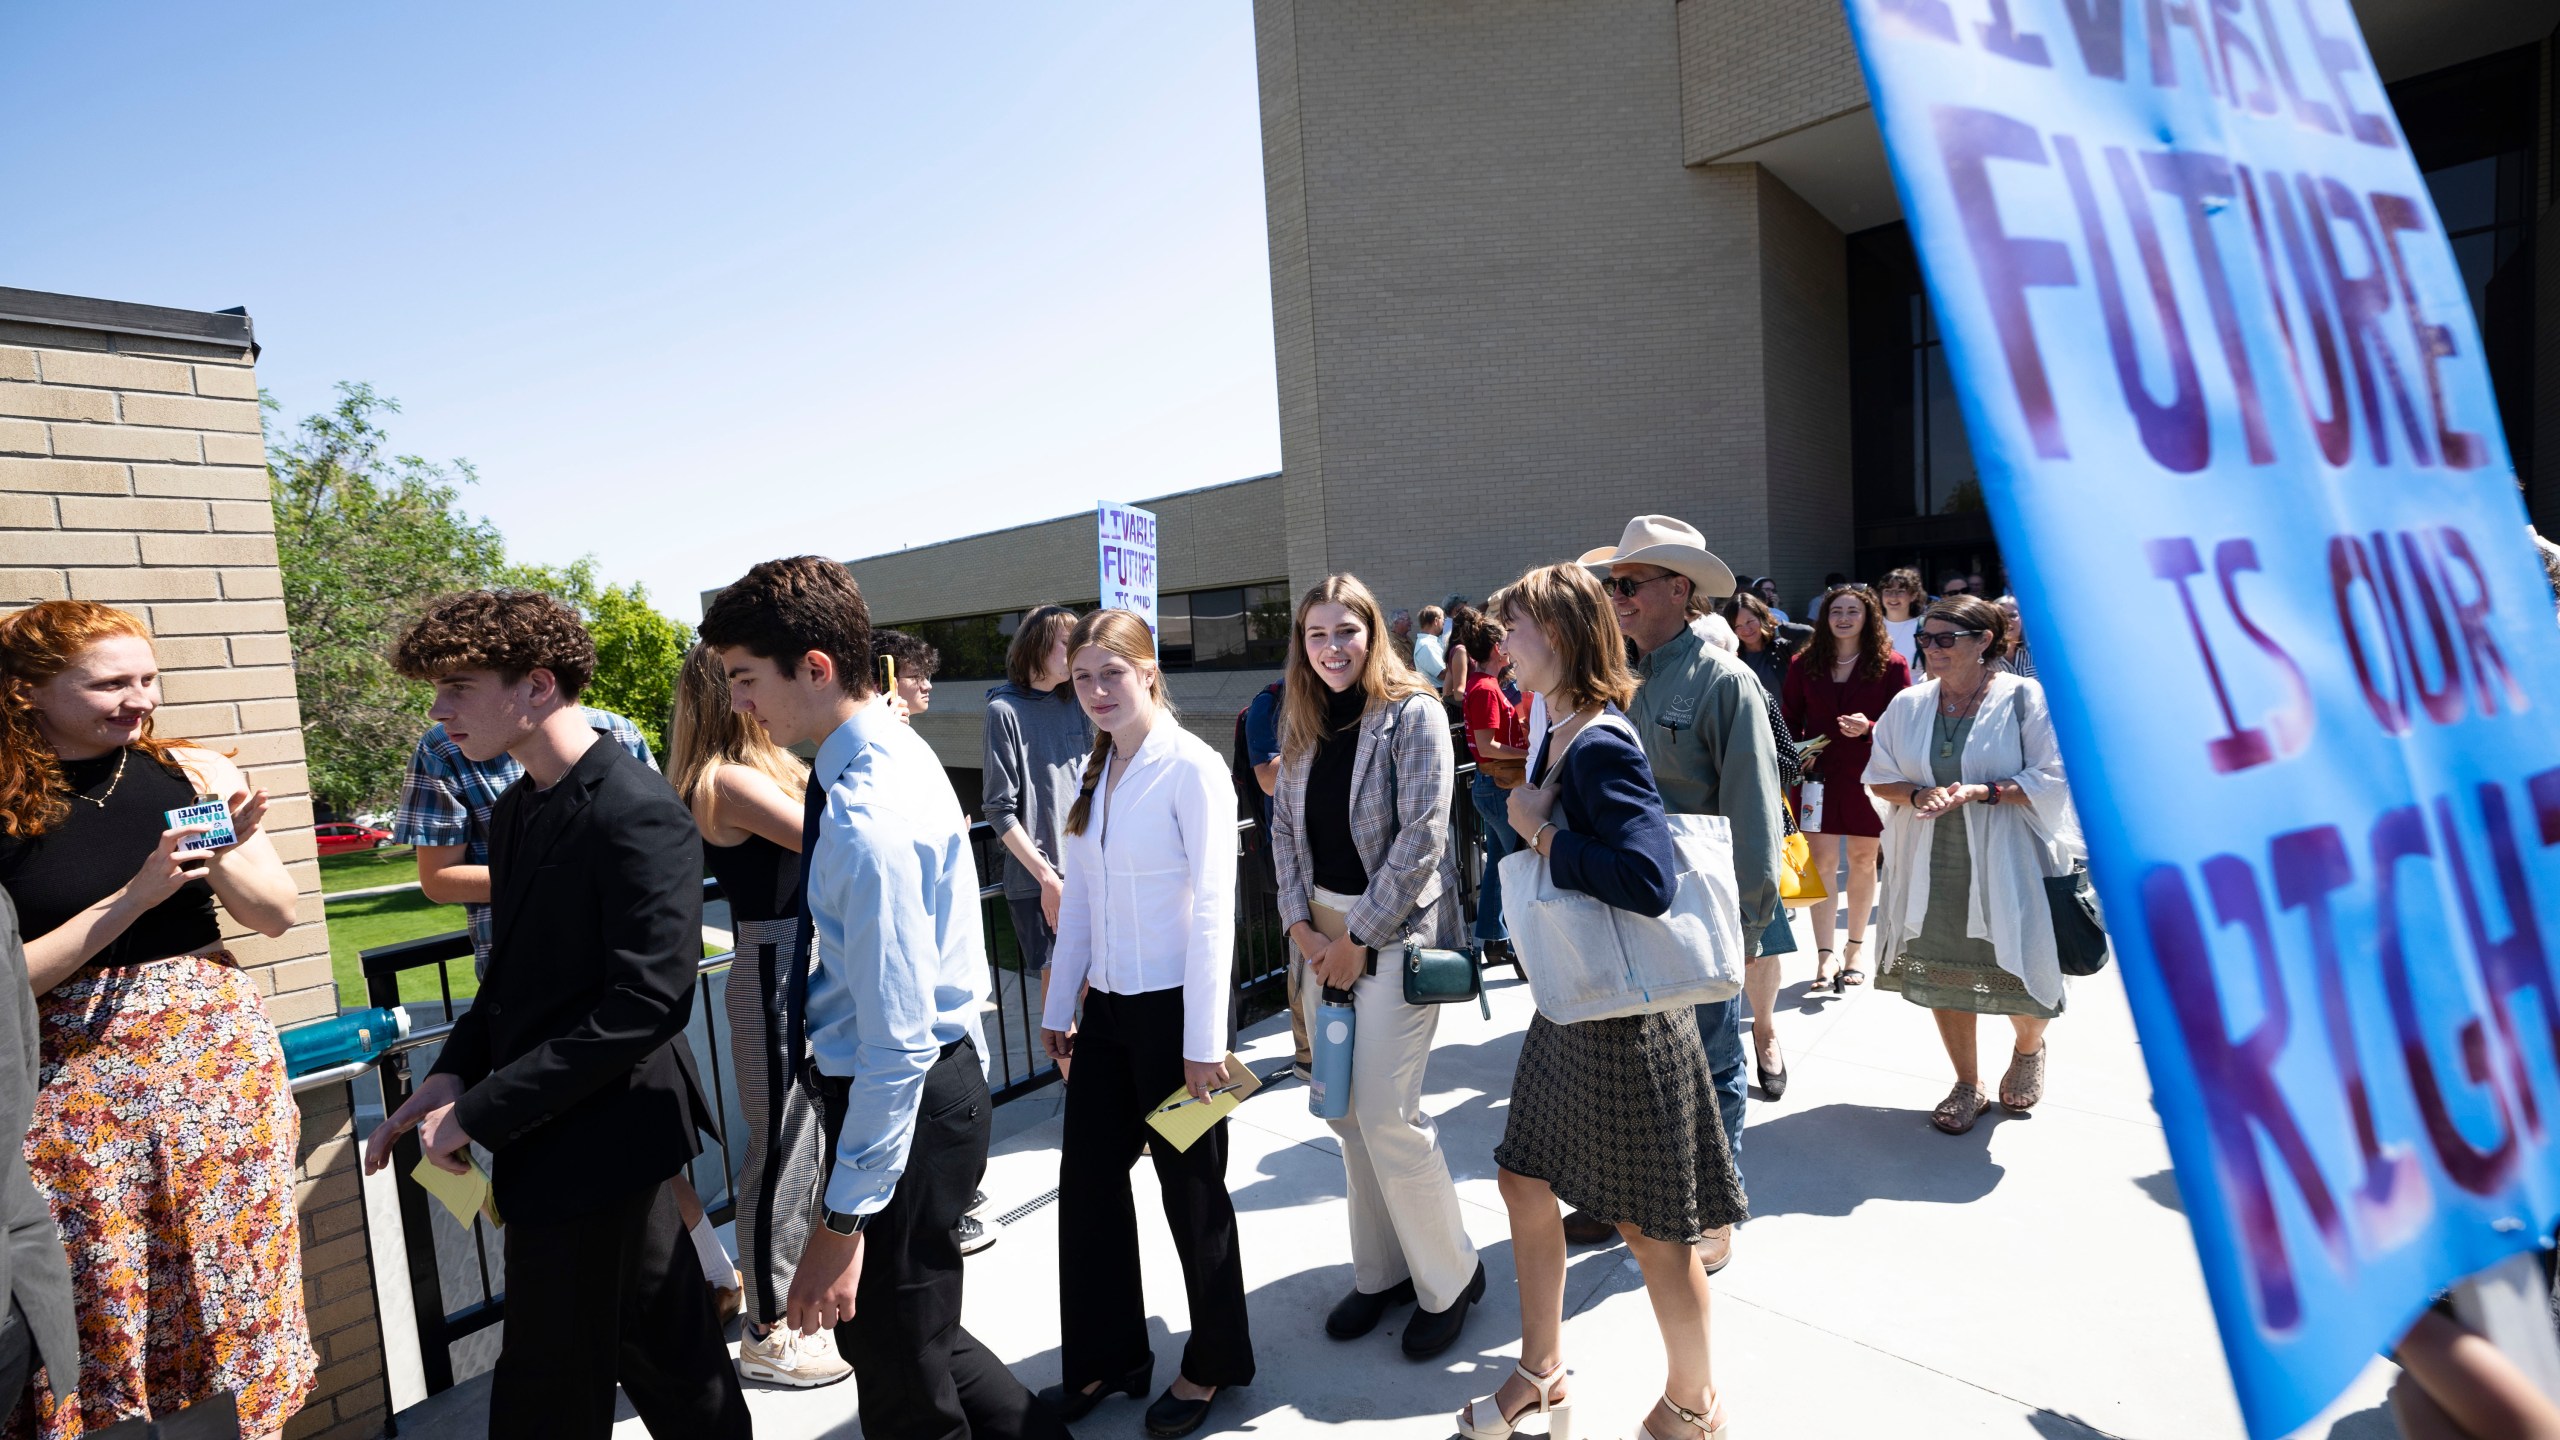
column 1835, row 687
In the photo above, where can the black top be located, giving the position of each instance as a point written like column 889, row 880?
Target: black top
column 755, row 877
column 1611, row 841
column 94, row 851
column 1330, row 846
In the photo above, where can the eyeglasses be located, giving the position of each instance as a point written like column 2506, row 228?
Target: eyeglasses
column 1944, row 639
column 1625, row 588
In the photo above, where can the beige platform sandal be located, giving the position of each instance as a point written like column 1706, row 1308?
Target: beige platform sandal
column 1483, row 1419
column 1711, row 1423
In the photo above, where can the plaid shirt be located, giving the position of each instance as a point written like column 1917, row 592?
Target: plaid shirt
column 447, row 797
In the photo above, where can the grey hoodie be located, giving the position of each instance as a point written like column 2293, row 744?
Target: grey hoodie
column 1036, row 748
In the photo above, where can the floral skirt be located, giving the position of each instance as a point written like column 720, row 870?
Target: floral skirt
column 164, row 1139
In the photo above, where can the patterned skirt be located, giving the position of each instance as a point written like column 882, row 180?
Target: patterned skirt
column 164, row 1139
column 1619, row 1118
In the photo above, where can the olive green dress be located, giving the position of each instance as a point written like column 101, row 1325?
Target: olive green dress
column 1942, row 967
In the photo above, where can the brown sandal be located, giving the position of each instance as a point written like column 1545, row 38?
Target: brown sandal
column 2023, row 1086
column 1963, row 1106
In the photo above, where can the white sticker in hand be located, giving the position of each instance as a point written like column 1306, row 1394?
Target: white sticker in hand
column 211, row 813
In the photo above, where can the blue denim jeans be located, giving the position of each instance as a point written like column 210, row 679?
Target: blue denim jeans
column 1724, row 1065
column 1493, row 814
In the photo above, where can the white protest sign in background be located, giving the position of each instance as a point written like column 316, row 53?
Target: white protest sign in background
column 1128, row 558
column 2227, row 400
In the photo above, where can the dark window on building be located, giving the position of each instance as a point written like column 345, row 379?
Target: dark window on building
column 2472, row 130
column 1918, row 500
column 1242, row 627
column 1238, row 628
column 972, row 646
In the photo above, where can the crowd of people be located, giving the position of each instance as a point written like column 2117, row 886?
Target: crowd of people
column 1596, row 700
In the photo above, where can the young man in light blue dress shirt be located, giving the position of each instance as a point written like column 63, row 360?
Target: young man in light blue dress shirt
column 889, row 1012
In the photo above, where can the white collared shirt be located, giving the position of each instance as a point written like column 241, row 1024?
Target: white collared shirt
column 1150, row 893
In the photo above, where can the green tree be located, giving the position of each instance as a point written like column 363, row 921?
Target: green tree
column 638, row 650
column 364, row 538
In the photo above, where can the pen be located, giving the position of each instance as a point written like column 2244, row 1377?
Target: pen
column 1197, row 1100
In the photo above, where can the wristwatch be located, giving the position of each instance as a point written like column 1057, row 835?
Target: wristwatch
column 1994, row 797
column 846, row 1224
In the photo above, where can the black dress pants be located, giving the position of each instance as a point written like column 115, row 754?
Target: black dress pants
column 917, row 1372
column 1128, row 1059
column 614, row 1296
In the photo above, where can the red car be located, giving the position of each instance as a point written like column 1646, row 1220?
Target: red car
column 336, row 839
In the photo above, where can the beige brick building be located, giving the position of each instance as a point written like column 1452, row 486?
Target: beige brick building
column 1539, row 267
column 132, row 472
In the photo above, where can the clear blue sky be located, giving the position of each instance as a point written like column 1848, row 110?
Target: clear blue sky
column 693, row 285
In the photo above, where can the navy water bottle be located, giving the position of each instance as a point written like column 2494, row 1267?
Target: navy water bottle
column 1329, row 1095
column 356, row 1035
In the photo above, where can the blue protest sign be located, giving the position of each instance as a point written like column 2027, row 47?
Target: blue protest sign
column 2228, row 404
column 1128, row 540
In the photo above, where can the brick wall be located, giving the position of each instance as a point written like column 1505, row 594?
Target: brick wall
column 132, row 472
column 1804, row 366
column 1753, row 70
column 1507, row 316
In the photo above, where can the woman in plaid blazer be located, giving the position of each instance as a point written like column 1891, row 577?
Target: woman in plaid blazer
column 1361, row 844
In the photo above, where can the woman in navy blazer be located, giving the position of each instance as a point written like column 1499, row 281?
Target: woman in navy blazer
column 1617, row 1117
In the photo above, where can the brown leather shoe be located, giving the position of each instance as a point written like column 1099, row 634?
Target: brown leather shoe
column 1581, row 1229
column 1715, row 1248
column 2023, row 1087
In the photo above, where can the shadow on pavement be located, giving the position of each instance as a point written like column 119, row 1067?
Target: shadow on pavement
column 1831, row 1159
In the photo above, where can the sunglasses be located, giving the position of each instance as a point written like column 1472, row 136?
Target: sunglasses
column 1944, row 639
column 1626, row 588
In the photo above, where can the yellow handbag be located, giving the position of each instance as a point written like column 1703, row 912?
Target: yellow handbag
column 1798, row 883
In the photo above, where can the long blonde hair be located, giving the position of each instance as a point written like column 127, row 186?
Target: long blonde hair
column 1123, row 634
column 1384, row 675
column 707, row 734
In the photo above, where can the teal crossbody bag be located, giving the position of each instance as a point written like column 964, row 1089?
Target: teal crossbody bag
column 1433, row 976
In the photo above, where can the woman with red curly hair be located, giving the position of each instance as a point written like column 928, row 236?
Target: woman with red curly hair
column 165, row 1131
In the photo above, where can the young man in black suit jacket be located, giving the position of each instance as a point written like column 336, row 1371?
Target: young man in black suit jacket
column 571, row 1067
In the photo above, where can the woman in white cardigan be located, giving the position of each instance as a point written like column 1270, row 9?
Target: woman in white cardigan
column 1976, row 816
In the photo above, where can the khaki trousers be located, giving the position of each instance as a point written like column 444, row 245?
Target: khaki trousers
column 1405, row 1218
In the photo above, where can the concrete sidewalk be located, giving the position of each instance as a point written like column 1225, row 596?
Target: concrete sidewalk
column 2032, row 1279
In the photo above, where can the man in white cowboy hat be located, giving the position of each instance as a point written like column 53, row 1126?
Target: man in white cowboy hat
column 1705, row 724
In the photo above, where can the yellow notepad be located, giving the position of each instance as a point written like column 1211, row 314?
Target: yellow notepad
column 465, row 1195
column 1182, row 1120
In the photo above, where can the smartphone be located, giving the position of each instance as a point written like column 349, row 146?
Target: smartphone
column 208, row 811
column 888, row 674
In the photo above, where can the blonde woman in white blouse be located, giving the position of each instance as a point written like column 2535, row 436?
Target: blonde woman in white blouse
column 1146, row 932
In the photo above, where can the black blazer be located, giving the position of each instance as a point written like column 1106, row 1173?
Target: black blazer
column 580, row 1081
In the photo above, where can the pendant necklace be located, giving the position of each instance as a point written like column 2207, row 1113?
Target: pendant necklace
column 1949, row 717
column 101, row 800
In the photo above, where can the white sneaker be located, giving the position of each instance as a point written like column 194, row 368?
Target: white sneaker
column 780, row 1357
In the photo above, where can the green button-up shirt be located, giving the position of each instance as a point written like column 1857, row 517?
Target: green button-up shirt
column 1706, row 734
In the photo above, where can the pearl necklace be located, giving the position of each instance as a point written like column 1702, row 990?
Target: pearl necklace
column 122, row 754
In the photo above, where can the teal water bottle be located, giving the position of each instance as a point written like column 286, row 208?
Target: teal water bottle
column 356, row 1035
column 1329, row 1088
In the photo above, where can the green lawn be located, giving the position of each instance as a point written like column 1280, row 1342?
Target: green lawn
column 365, row 869
column 370, row 920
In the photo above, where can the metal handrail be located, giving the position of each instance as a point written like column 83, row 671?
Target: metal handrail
column 439, row 1328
